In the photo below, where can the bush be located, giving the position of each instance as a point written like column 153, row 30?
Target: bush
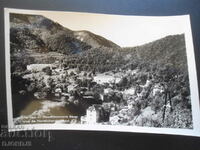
column 47, row 70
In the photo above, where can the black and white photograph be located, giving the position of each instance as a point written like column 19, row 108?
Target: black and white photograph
column 107, row 71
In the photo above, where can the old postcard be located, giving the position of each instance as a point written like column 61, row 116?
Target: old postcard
column 86, row 71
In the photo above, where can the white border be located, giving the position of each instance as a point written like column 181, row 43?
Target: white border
column 193, row 89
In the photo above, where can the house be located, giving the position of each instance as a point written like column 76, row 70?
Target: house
column 82, row 90
column 83, row 120
column 38, row 67
column 131, row 105
column 89, row 93
column 93, row 114
column 102, row 97
column 89, row 97
column 108, row 90
column 58, row 92
column 157, row 89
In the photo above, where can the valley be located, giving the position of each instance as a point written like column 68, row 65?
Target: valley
column 87, row 79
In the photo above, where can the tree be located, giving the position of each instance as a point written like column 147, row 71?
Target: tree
column 50, row 82
column 47, row 70
column 32, row 87
column 72, row 73
column 123, row 82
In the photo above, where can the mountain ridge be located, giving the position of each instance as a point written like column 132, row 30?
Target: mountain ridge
column 40, row 34
column 54, row 36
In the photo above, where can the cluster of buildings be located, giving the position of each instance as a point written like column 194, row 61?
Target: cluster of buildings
column 94, row 113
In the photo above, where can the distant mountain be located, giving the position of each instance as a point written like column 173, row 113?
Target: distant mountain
column 36, row 32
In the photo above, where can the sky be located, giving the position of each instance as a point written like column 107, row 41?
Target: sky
column 126, row 31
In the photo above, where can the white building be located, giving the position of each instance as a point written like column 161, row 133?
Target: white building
column 38, row 67
column 58, row 92
column 102, row 97
column 93, row 114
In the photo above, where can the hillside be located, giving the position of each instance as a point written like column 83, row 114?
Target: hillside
column 93, row 39
column 41, row 34
column 35, row 35
column 170, row 49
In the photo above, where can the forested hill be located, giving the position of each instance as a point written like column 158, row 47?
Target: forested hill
column 168, row 50
column 37, row 36
column 41, row 34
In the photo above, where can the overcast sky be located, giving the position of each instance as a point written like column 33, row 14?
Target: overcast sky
column 125, row 31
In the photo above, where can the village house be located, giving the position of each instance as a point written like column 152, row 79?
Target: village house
column 93, row 114
column 38, row 67
column 102, row 97
column 58, row 92
column 88, row 95
column 91, row 98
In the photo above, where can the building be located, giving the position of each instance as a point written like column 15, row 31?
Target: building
column 38, row 67
column 88, row 95
column 93, row 114
column 102, row 97
column 58, row 92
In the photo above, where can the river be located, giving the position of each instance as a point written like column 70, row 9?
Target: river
column 46, row 111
